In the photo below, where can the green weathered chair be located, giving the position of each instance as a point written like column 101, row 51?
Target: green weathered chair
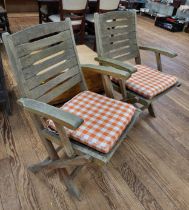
column 117, row 43
column 88, row 127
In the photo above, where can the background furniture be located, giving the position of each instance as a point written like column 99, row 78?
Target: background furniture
column 93, row 79
column 102, row 7
column 4, row 96
column 47, row 8
column 20, row 5
column 183, row 14
column 4, row 22
column 157, row 8
column 76, row 11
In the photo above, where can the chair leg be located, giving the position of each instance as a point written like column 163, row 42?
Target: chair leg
column 63, row 174
column 8, row 105
column 72, row 189
column 82, row 35
column 151, row 110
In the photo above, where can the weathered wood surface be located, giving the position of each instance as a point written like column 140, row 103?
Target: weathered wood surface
column 17, row 48
column 150, row 171
column 86, row 56
column 57, row 115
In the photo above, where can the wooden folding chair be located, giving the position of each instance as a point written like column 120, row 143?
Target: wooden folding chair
column 117, row 43
column 89, row 126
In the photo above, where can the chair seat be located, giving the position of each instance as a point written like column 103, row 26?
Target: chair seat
column 149, row 82
column 105, row 120
column 89, row 18
column 56, row 18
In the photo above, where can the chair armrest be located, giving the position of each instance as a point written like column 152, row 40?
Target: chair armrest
column 44, row 110
column 117, row 64
column 159, row 50
column 106, row 70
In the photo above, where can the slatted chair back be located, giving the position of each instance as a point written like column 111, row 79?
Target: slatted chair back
column 107, row 5
column 116, row 35
column 44, row 60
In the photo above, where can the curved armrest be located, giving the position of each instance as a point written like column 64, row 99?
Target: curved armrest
column 106, row 70
column 117, row 64
column 159, row 50
column 44, row 110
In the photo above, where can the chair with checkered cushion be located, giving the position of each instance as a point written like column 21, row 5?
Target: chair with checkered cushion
column 89, row 126
column 117, row 43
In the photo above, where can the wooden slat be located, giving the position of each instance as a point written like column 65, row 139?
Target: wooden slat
column 39, row 30
column 27, row 48
column 32, row 58
column 110, row 47
column 117, row 30
column 40, row 90
column 126, row 56
column 60, row 89
column 38, row 80
column 48, row 62
column 119, row 22
column 118, row 15
column 119, row 37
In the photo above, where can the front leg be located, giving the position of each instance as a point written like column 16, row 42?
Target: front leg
column 151, row 110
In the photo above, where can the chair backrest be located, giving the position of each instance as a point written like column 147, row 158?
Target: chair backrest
column 44, row 60
column 116, row 35
column 74, row 9
column 108, row 5
column 74, row 4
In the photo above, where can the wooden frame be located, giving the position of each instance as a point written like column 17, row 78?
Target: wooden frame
column 116, row 46
column 4, row 21
column 45, row 64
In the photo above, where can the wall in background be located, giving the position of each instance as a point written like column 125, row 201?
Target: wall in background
column 20, row 5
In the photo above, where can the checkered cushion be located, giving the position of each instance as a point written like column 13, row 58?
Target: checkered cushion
column 149, row 82
column 104, row 119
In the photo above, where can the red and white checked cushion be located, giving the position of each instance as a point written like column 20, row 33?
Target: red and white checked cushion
column 149, row 82
column 104, row 119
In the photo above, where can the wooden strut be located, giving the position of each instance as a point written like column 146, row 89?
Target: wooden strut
column 61, row 163
column 54, row 159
